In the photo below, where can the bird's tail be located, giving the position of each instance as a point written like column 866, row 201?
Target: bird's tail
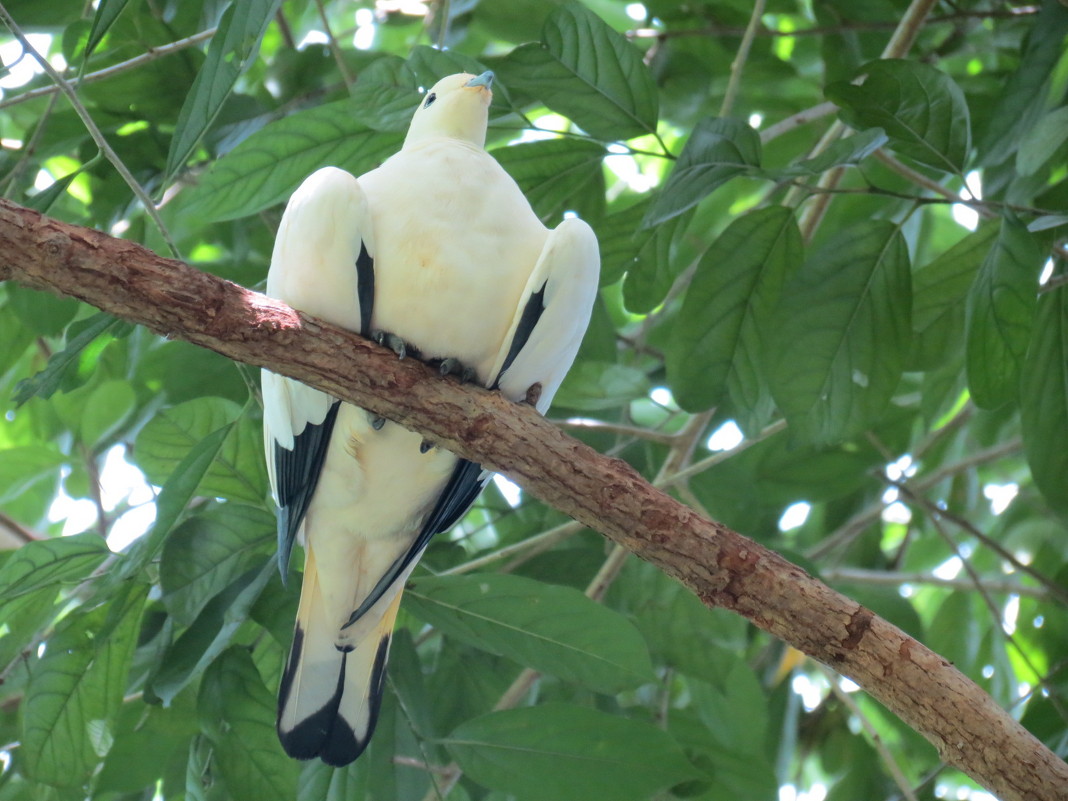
column 331, row 689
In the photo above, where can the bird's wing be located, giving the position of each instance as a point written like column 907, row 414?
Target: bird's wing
column 552, row 317
column 322, row 265
column 541, row 344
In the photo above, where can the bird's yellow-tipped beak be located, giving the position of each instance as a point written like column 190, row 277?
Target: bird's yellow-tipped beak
column 485, row 79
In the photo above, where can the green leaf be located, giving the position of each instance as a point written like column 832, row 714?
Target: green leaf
column 718, row 149
column 210, row 633
column 842, row 153
column 387, row 95
column 207, row 552
column 232, row 48
column 46, row 382
column 653, row 257
column 939, row 290
column 588, row 72
column 552, row 629
column 248, row 756
column 108, row 406
column 268, row 166
column 563, row 753
column 106, row 14
column 998, row 316
column 940, row 286
column 24, row 466
column 922, row 110
column 42, row 312
column 558, row 175
column 177, row 492
column 1044, row 399
column 76, row 689
column 595, row 386
column 715, row 343
column 43, row 563
column 842, row 332
column 238, row 472
column 1038, row 144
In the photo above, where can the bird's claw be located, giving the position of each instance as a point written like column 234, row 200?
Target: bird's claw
column 455, row 367
column 425, row 446
column 533, row 394
column 376, row 420
column 394, row 343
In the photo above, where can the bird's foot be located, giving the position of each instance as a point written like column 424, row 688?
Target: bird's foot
column 425, row 446
column 395, row 344
column 533, row 394
column 457, row 368
column 376, row 420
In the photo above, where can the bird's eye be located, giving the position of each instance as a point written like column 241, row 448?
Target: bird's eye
column 430, row 98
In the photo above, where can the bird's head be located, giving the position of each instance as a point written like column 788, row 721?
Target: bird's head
column 456, row 107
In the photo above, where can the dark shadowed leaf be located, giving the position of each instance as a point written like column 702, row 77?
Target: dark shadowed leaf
column 238, row 472
column 1044, row 399
column 920, row 108
column 270, row 164
column 842, row 333
column 558, row 752
column 46, row 562
column 715, row 345
column 247, row 754
column 558, row 175
column 552, row 629
column 718, row 149
column 845, row 152
column 76, row 688
column 208, row 551
column 999, row 314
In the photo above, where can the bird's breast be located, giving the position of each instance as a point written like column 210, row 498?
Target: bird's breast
column 455, row 243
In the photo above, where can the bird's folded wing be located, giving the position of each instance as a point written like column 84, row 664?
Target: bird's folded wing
column 553, row 315
column 322, row 264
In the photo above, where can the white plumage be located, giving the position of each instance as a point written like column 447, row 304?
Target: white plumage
column 439, row 248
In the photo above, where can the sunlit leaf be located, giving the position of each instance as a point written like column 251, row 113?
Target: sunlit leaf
column 589, row 73
column 232, row 48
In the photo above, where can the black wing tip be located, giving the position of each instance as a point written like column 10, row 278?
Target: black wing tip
column 325, row 734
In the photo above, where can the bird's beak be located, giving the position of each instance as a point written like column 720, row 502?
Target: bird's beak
column 485, row 79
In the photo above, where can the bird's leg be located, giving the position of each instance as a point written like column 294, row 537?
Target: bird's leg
column 455, row 367
column 395, row 344
column 376, row 420
column 425, row 445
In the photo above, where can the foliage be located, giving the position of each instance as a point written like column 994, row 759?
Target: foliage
column 901, row 374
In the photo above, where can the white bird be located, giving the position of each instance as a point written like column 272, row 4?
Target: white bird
column 435, row 252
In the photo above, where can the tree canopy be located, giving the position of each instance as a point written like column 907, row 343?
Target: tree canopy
column 832, row 317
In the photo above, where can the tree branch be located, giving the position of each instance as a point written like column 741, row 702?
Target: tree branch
column 722, row 567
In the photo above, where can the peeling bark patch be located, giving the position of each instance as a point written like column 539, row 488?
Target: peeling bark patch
column 857, row 627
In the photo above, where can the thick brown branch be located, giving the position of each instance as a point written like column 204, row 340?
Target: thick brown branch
column 722, row 567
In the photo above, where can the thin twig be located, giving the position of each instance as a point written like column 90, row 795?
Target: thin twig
column 738, row 65
column 335, row 50
column 93, row 130
column 888, row 578
column 797, row 120
column 884, row 753
column 151, row 54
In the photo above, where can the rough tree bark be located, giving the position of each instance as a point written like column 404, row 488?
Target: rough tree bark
column 722, row 567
